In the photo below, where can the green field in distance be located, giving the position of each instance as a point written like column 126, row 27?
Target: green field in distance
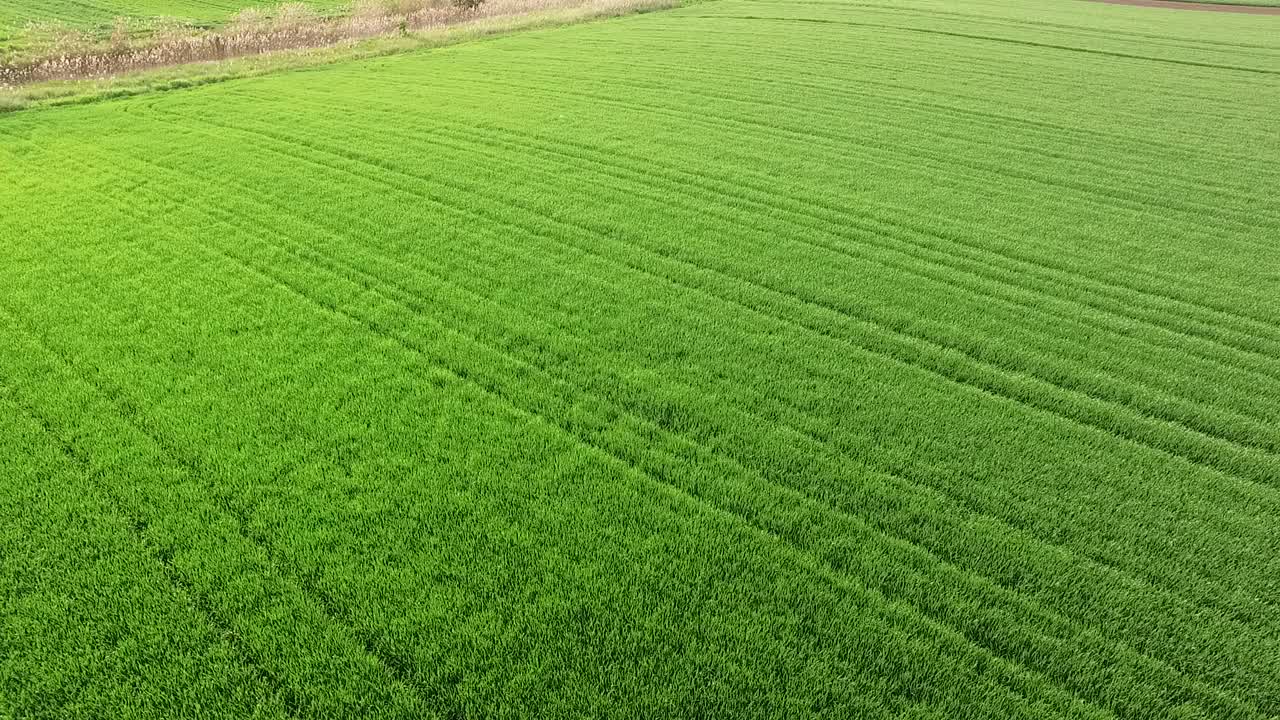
column 15, row 14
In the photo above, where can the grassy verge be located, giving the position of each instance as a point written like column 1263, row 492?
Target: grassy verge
column 524, row 16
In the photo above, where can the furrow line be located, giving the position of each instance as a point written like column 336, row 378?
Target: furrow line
column 418, row 197
column 462, row 373
column 1147, row 404
column 1102, row 197
column 998, row 72
column 1224, row 204
column 139, row 525
column 880, row 239
column 1232, row 195
column 135, row 419
column 1011, row 41
column 371, row 287
column 1019, row 23
column 988, row 68
column 906, row 541
column 1210, row 330
column 940, row 360
column 1013, row 671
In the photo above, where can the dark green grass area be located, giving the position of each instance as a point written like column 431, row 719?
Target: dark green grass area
column 754, row 359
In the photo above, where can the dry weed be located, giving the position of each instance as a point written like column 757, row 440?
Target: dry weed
column 71, row 55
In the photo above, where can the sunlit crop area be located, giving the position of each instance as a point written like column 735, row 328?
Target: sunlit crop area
column 758, row 358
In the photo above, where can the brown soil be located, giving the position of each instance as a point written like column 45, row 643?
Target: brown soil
column 1212, row 7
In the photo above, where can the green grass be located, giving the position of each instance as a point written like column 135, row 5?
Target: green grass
column 755, row 359
column 16, row 13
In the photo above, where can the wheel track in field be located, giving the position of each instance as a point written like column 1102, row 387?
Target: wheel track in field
column 365, row 284
column 1217, row 309
column 133, row 417
column 944, row 165
column 989, row 65
column 995, row 20
column 368, row 286
column 1187, row 420
column 460, row 372
column 996, row 39
column 1190, row 5
column 1198, row 50
column 681, row 178
column 282, row 208
column 903, row 540
column 884, row 607
column 382, row 180
column 1055, row 131
column 1234, row 238
column 286, row 209
column 982, row 121
column 1237, row 215
column 1208, row 330
column 878, row 232
column 193, row 469
column 82, row 462
column 1217, row 156
column 1237, row 414
column 367, row 177
column 466, row 377
column 1092, row 194
column 843, row 140
column 1194, row 447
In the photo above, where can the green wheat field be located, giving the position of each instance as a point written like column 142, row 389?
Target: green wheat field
column 753, row 359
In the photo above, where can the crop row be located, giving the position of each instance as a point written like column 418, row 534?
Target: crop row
column 302, row 233
column 673, row 365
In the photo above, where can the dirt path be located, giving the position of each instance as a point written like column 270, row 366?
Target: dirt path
column 1211, row 7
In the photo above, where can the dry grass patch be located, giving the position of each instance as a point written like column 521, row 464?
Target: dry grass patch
column 52, row 52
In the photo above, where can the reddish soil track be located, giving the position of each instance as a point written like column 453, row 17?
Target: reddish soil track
column 1211, row 7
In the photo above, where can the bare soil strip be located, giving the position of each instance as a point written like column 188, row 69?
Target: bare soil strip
column 1211, row 7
